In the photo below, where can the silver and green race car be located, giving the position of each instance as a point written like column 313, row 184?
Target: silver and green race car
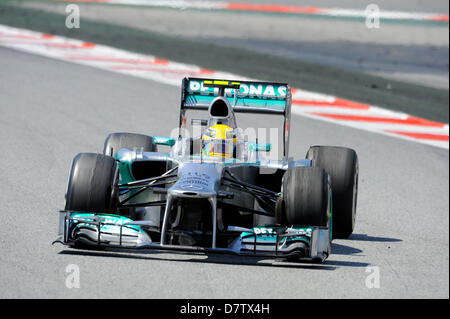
column 214, row 190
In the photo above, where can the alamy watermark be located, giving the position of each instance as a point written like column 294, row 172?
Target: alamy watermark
column 372, row 14
column 73, row 17
column 373, row 277
column 73, row 276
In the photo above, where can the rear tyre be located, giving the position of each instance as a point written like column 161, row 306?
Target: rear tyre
column 305, row 198
column 93, row 184
column 115, row 141
column 342, row 165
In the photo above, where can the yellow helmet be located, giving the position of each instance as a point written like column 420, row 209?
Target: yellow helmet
column 219, row 141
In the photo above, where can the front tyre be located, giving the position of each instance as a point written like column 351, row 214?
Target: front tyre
column 305, row 198
column 93, row 184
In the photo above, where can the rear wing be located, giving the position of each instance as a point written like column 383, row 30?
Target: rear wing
column 244, row 97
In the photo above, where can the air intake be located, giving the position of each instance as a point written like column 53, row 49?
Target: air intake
column 219, row 108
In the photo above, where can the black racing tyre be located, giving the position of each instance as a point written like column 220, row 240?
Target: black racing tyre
column 116, row 141
column 305, row 198
column 342, row 165
column 93, row 184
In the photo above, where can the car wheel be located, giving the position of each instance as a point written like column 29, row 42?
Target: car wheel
column 115, row 141
column 342, row 165
column 305, row 198
column 93, row 184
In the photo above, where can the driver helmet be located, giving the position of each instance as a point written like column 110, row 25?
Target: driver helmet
column 219, row 141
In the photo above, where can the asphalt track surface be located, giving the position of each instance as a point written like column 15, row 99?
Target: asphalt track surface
column 51, row 110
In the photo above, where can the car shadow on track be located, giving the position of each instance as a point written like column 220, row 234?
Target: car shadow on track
column 365, row 237
column 210, row 258
column 339, row 249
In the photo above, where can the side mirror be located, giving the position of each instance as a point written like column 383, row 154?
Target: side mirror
column 163, row 140
column 199, row 122
column 260, row 147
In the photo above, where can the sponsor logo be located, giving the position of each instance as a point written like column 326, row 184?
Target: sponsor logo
column 246, row 90
column 266, row 231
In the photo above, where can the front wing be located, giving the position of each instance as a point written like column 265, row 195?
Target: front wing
column 108, row 230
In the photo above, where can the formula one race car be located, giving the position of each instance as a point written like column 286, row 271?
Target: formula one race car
column 214, row 192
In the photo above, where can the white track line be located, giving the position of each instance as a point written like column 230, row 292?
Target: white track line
column 305, row 103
